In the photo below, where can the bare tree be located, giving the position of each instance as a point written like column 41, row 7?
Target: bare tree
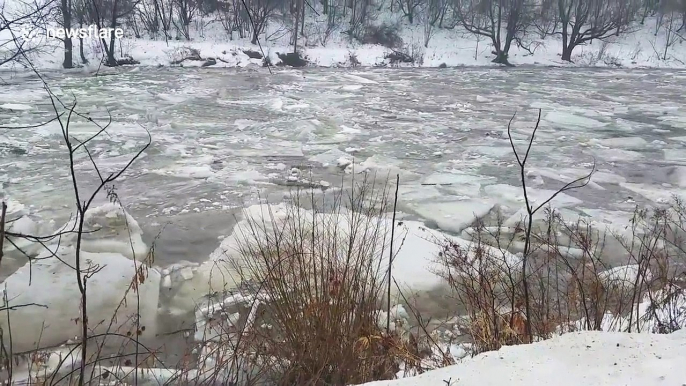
column 584, row 20
column 26, row 18
column 106, row 14
column 80, row 12
column 409, row 8
column 502, row 21
column 532, row 209
column 165, row 10
column 260, row 12
column 547, row 20
column 671, row 15
column 234, row 18
column 429, row 29
column 436, row 11
column 186, row 11
column 149, row 17
column 360, row 16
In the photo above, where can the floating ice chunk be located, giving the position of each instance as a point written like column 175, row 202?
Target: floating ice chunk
column 613, row 155
column 343, row 162
column 199, row 171
column 384, row 166
column 210, row 277
column 51, row 283
column 349, row 130
column 277, row 104
column 241, row 176
column 659, row 195
column 565, row 119
column 566, row 176
column 623, row 142
column 456, row 178
column 535, row 177
column 329, row 157
column 242, row 124
column 359, row 79
column 514, row 195
column 453, row 216
column 113, row 230
column 19, row 248
column 677, row 175
column 675, row 155
column 607, row 177
column 15, row 107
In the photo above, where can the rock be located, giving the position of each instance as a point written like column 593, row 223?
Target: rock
column 443, row 65
column 209, row 62
column 51, row 285
column 253, row 54
column 292, row 59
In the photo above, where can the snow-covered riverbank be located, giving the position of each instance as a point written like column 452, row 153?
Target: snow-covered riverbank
column 639, row 48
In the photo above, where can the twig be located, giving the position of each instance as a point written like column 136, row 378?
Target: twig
column 2, row 230
column 390, row 258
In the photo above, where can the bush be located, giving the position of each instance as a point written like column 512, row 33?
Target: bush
column 352, row 59
column 322, row 275
column 385, row 35
column 292, row 59
column 396, row 57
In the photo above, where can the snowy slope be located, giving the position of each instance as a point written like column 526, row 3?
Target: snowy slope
column 577, row 359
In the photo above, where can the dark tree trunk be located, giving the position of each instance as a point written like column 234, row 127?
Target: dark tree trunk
column 83, row 56
column 567, row 52
column 111, row 61
column 297, row 21
column 68, row 44
column 501, row 58
column 567, row 46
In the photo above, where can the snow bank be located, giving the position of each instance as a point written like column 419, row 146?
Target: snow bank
column 586, row 358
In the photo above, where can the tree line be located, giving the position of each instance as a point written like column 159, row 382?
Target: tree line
column 503, row 23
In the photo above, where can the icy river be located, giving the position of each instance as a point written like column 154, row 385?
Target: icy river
column 221, row 139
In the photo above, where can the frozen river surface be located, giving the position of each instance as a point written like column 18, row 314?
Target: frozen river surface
column 223, row 138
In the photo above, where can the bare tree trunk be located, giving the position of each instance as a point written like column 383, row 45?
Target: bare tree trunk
column 297, row 21
column 83, row 56
column 68, row 45
column 302, row 22
column 567, row 47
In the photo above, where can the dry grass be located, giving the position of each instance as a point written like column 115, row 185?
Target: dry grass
column 323, row 277
column 572, row 285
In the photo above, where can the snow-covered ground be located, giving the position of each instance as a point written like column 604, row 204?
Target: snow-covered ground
column 584, row 358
